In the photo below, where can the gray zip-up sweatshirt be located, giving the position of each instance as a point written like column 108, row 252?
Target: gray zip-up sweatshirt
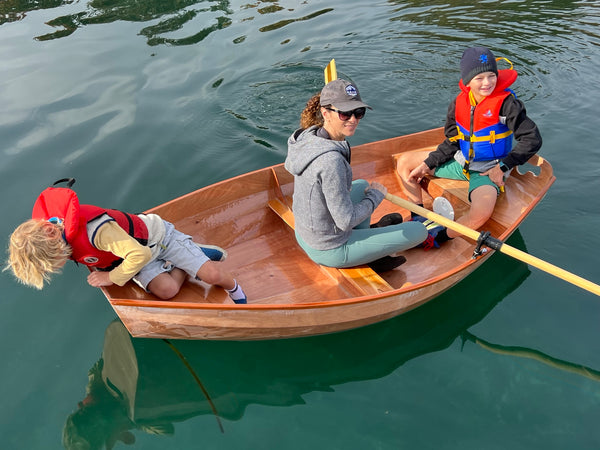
column 323, row 210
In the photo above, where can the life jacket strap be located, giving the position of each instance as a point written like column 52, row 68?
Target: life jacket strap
column 492, row 137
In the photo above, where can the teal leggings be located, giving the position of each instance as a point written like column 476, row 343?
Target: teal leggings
column 368, row 244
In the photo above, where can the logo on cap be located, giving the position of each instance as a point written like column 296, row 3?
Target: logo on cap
column 90, row 260
column 351, row 91
column 483, row 59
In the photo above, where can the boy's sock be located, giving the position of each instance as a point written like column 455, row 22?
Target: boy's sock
column 237, row 294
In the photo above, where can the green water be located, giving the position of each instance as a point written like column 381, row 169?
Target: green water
column 146, row 101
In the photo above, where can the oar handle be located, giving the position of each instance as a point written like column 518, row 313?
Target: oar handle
column 466, row 231
column 502, row 247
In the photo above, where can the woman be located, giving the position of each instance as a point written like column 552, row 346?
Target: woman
column 332, row 212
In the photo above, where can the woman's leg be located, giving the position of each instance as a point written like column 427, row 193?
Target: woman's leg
column 357, row 194
column 368, row 245
column 365, row 246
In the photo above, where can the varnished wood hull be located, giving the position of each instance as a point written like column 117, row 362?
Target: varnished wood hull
column 289, row 295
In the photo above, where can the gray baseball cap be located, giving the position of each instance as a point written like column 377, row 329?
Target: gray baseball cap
column 342, row 95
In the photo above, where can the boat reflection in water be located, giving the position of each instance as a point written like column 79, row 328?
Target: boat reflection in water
column 149, row 384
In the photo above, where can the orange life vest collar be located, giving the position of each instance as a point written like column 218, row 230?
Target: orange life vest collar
column 63, row 203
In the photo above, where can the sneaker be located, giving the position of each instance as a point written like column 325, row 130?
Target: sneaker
column 433, row 230
column 388, row 219
column 387, row 263
column 240, row 301
column 213, row 252
column 443, row 207
column 237, row 294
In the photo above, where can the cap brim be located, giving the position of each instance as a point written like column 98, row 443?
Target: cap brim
column 350, row 105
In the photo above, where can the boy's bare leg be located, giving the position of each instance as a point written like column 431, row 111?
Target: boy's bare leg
column 483, row 201
column 406, row 163
column 167, row 284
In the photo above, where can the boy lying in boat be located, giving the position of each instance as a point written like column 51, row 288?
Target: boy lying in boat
column 480, row 126
column 121, row 246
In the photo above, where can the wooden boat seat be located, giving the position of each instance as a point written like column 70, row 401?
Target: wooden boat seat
column 362, row 278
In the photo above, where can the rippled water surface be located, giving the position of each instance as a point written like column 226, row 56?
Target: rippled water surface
column 146, row 101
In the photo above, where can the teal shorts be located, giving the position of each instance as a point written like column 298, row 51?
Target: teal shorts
column 453, row 170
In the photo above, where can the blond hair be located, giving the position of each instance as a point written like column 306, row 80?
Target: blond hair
column 37, row 250
column 311, row 115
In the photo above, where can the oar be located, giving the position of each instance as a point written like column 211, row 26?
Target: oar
column 330, row 72
column 496, row 244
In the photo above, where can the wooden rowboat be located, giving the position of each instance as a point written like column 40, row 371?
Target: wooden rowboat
column 288, row 294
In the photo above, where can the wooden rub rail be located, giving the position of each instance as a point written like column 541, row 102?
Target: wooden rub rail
column 362, row 278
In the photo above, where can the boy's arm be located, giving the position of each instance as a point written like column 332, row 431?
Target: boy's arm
column 446, row 150
column 110, row 237
column 525, row 131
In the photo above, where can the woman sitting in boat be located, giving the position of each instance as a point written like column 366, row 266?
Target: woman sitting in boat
column 480, row 126
column 333, row 213
column 121, row 246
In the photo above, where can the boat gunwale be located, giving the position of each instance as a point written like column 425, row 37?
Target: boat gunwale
column 166, row 304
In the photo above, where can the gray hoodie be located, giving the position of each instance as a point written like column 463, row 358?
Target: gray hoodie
column 323, row 210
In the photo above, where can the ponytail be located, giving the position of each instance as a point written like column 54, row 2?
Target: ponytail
column 311, row 115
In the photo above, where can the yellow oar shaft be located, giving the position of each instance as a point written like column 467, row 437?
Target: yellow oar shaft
column 503, row 248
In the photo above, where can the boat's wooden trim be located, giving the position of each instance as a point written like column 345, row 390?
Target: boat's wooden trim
column 364, row 279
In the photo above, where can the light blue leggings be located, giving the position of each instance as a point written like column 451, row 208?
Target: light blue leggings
column 367, row 244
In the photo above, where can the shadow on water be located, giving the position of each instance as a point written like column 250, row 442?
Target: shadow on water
column 149, row 384
column 536, row 355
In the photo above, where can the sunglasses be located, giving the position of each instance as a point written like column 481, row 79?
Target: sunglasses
column 359, row 113
column 55, row 220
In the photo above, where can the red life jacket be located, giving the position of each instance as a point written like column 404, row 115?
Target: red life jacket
column 63, row 203
column 481, row 135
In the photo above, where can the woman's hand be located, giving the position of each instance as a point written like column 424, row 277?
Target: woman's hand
column 378, row 186
column 99, row 279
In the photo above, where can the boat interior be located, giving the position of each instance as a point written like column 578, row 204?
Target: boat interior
column 246, row 215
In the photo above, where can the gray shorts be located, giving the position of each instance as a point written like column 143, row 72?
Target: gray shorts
column 177, row 250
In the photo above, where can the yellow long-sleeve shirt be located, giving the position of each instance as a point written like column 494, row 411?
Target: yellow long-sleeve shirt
column 110, row 237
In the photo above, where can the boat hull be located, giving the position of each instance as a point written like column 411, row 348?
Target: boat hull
column 278, row 321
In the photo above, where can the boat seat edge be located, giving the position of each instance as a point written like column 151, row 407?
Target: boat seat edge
column 362, row 278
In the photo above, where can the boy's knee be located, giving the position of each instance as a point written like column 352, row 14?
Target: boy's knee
column 164, row 291
column 407, row 162
column 402, row 164
column 210, row 273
